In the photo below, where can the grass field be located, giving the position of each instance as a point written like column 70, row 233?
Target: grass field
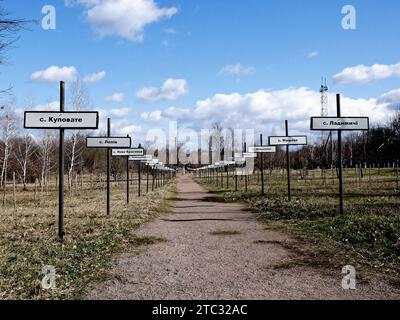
column 28, row 236
column 369, row 230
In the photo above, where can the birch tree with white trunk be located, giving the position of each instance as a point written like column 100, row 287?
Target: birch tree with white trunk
column 46, row 149
column 8, row 126
column 23, row 154
column 79, row 101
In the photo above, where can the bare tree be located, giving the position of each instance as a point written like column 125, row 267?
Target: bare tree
column 9, row 28
column 46, row 148
column 79, row 101
column 23, row 153
column 8, row 125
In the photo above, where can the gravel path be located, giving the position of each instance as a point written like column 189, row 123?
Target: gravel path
column 196, row 264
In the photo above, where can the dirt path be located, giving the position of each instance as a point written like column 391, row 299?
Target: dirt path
column 195, row 264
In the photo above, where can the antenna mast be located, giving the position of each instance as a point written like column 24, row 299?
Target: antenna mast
column 324, row 98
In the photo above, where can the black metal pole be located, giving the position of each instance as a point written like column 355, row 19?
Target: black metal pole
column 227, row 176
column 288, row 162
column 340, row 162
column 245, row 174
column 139, row 177
column 177, row 152
column 236, row 181
column 147, row 183
column 262, row 167
column 153, row 179
column 127, row 179
column 108, row 166
column 61, row 231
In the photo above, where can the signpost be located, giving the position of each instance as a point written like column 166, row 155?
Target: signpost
column 249, row 155
column 139, row 157
column 340, row 124
column 136, row 152
column 343, row 124
column 262, row 149
column 269, row 149
column 288, row 141
column 284, row 141
column 108, row 143
column 127, row 153
column 61, row 120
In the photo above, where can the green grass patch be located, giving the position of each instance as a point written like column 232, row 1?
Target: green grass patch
column 146, row 241
column 376, row 238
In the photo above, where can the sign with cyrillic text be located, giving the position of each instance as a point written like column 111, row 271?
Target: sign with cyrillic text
column 284, row 141
column 250, row 155
column 262, row 149
column 61, row 120
column 111, row 142
column 346, row 123
column 127, row 152
column 142, row 158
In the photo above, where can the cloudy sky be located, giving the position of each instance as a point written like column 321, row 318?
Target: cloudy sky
column 242, row 63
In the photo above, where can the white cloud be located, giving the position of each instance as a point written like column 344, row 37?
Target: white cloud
column 124, row 129
column 172, row 89
column 123, row 18
column 116, row 97
column 119, row 112
column 154, row 116
column 94, row 77
column 265, row 111
column 51, row 106
column 120, row 127
column 170, row 31
column 312, row 54
column 236, row 70
column 364, row 74
column 54, row 74
column 392, row 98
column 116, row 112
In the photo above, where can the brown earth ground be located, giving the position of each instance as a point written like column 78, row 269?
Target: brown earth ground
column 216, row 250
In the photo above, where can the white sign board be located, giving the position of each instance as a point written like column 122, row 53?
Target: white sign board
column 345, row 123
column 127, row 152
column 262, row 149
column 104, row 142
column 227, row 163
column 142, row 158
column 61, row 120
column 291, row 140
column 250, row 155
column 240, row 159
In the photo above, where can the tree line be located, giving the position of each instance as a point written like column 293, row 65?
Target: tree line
column 33, row 157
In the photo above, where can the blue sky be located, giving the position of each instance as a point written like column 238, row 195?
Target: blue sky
column 266, row 45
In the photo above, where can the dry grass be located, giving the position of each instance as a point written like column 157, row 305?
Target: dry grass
column 366, row 235
column 28, row 239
